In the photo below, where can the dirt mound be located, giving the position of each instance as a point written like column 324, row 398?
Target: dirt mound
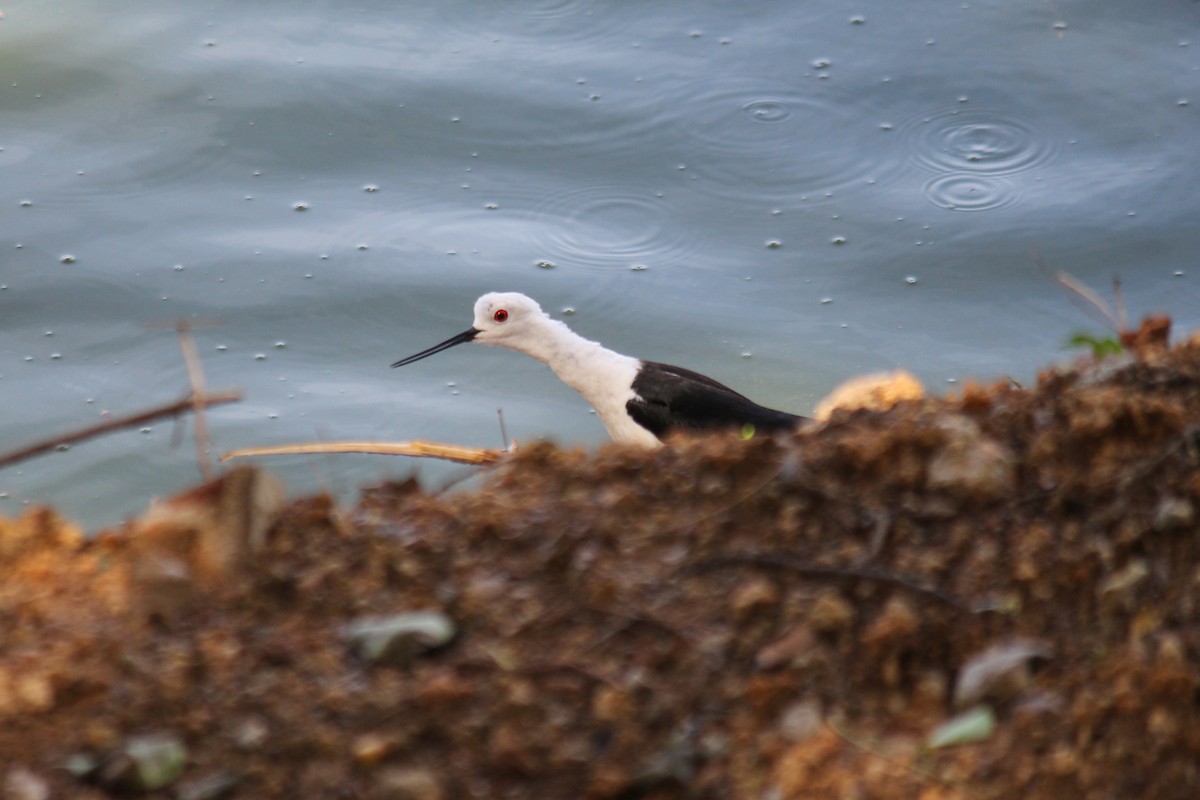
column 795, row 617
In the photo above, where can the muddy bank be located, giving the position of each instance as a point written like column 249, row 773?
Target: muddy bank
column 780, row 618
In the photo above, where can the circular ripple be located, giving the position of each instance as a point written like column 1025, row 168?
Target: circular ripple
column 968, row 192
column 752, row 139
column 610, row 226
column 977, row 141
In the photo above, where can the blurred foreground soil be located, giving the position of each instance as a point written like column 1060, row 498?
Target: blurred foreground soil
column 778, row 618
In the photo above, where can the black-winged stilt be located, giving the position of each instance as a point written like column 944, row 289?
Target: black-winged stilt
column 638, row 401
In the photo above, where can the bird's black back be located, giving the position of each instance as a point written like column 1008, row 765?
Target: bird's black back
column 673, row 398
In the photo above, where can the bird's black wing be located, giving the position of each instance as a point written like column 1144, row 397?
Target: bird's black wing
column 672, row 398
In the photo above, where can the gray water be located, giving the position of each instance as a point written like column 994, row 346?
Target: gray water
column 777, row 194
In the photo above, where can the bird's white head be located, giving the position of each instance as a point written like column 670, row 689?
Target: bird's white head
column 507, row 319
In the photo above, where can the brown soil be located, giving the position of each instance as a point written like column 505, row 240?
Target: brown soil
column 765, row 619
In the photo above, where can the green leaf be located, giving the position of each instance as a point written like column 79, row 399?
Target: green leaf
column 973, row 725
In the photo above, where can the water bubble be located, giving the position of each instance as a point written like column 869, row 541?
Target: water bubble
column 363, row 246
column 826, row 301
column 1060, row 26
column 821, row 63
column 178, row 268
column 222, row 348
column 491, row 206
column 370, row 187
column 838, row 240
column 1181, row 102
column 26, row 203
column 544, row 264
column 858, row 19
column 911, row 280
column 774, row 244
column 260, row 356
column 747, row 355
column 145, row 430
column 67, row 259
column 280, row 345
column 568, row 311
column 301, row 206
column 1178, row 273
column 638, row 267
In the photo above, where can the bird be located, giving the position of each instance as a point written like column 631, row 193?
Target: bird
column 639, row 402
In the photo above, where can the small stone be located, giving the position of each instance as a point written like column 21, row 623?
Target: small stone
column 831, row 613
column 970, row 464
column 1000, row 672
column 372, row 748
column 801, row 721
column 401, row 783
column 1174, row 513
column 215, row 786
column 144, row 763
column 23, row 784
column 792, row 649
column 398, row 638
column 753, row 595
column 251, row 734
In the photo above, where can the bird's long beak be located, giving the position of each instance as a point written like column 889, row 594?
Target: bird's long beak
column 465, row 336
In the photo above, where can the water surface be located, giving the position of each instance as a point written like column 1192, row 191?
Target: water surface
column 780, row 196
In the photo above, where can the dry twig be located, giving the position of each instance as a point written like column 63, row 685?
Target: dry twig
column 447, row 452
column 140, row 418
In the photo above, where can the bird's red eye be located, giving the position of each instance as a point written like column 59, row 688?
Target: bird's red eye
column 500, row 315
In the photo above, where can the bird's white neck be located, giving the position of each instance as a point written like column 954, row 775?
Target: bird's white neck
column 604, row 377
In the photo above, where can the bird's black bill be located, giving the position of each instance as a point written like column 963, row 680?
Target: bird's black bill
column 465, row 336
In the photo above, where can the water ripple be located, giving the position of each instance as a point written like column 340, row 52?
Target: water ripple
column 977, row 141
column 607, row 227
column 764, row 141
column 959, row 191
